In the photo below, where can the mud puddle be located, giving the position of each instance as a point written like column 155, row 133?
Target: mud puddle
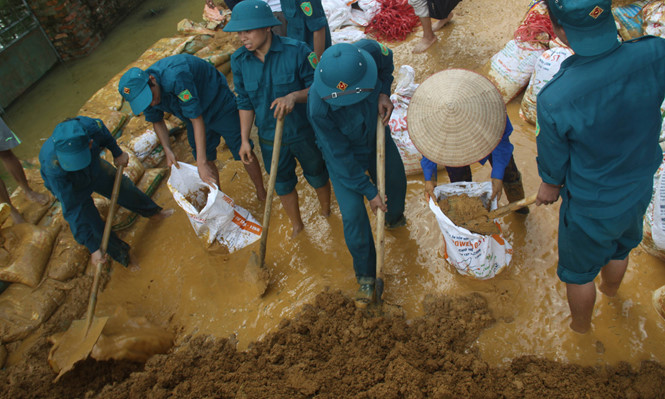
column 192, row 292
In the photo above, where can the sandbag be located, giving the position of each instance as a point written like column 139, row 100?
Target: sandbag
column 163, row 48
column 155, row 158
column 197, row 44
column 130, row 338
column 135, row 126
column 25, row 250
column 113, row 120
column 658, row 300
column 398, row 127
column 31, row 211
column 5, row 212
column 3, row 356
column 479, row 256
column 510, row 69
column 213, row 215
column 225, row 68
column 348, row 34
column 68, row 259
column 189, row 27
column 629, row 19
column 134, row 169
column 143, row 144
column 108, row 96
column 547, row 66
column 653, row 239
column 23, row 309
column 653, row 19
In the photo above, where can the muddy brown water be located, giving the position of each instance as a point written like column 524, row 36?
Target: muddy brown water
column 191, row 291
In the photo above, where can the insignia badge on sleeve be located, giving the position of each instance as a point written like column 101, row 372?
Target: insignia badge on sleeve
column 384, row 49
column 185, row 96
column 126, row 90
column 306, row 7
column 342, row 86
column 313, row 59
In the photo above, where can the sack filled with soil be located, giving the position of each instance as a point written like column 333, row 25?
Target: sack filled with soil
column 68, row 259
column 24, row 251
column 23, row 309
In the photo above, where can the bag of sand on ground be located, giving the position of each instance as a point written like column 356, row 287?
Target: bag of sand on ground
column 475, row 255
column 213, row 215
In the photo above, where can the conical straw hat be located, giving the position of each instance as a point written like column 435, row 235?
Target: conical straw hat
column 456, row 117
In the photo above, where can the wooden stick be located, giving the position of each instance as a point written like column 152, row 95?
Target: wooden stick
column 92, row 302
column 274, row 163
column 381, row 185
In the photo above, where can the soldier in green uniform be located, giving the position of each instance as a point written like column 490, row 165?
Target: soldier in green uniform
column 597, row 135
column 272, row 75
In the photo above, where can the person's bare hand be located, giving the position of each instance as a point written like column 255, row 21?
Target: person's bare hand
column 283, row 106
column 497, row 189
column 377, row 203
column 122, row 159
column 429, row 190
column 245, row 153
column 547, row 194
column 206, row 174
column 170, row 158
column 385, row 108
column 97, row 257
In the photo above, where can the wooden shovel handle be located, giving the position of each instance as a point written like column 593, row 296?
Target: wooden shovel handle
column 274, row 164
column 92, row 302
column 381, row 185
column 513, row 206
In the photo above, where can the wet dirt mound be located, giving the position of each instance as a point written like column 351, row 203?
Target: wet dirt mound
column 333, row 350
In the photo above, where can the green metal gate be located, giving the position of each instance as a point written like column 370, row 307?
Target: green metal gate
column 26, row 54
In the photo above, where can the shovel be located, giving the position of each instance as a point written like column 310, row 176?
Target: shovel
column 499, row 212
column 380, row 215
column 256, row 266
column 83, row 334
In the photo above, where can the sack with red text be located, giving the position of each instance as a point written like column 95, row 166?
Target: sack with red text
column 213, row 215
column 475, row 255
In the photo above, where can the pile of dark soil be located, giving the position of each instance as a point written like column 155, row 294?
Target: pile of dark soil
column 333, row 350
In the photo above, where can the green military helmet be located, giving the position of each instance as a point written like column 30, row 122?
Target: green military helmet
column 251, row 14
column 345, row 75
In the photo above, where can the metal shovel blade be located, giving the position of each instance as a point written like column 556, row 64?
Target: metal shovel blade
column 256, row 274
column 75, row 345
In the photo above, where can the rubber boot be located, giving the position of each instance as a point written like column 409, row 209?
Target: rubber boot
column 365, row 294
column 515, row 192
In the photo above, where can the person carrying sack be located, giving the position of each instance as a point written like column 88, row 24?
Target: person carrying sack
column 198, row 94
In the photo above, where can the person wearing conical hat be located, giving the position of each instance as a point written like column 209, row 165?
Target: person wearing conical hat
column 351, row 88
column 271, row 76
column 72, row 170
column 457, row 118
column 597, row 134
column 306, row 21
column 197, row 93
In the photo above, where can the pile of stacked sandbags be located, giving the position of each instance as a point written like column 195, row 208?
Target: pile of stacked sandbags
column 36, row 259
column 534, row 55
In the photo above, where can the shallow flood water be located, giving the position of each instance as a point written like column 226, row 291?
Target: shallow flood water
column 193, row 291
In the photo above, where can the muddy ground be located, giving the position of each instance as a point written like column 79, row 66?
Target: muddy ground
column 332, row 350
